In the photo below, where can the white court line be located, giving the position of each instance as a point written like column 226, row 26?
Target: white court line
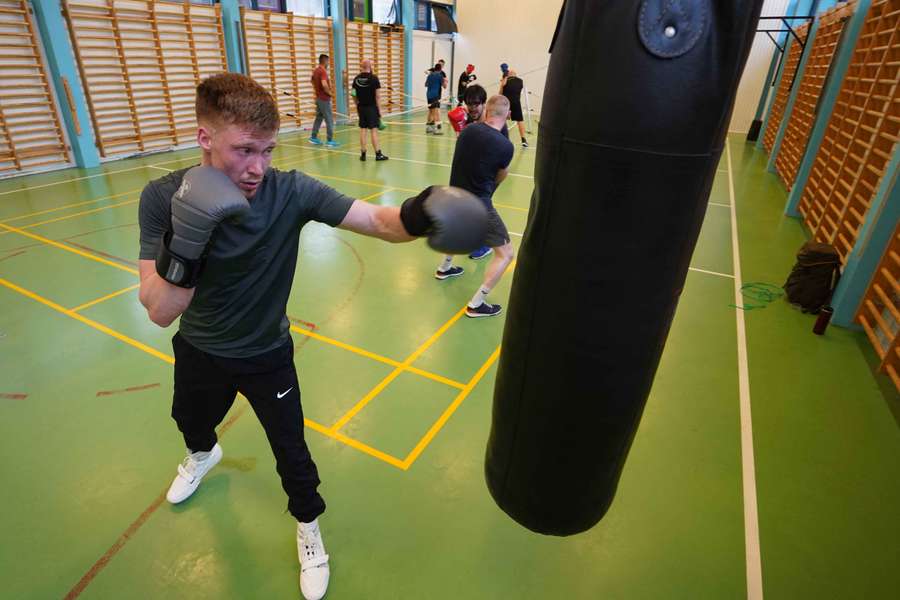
column 748, row 468
column 160, row 168
column 37, row 187
column 515, row 234
column 716, row 273
column 408, row 160
column 719, row 204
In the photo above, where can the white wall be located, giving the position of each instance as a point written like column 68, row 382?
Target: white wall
column 751, row 85
column 519, row 32
column 428, row 47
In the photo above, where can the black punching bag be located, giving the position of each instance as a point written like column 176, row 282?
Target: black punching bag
column 637, row 104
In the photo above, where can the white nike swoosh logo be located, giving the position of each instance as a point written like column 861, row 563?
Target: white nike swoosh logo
column 284, row 393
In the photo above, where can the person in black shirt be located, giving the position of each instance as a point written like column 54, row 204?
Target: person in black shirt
column 511, row 87
column 467, row 77
column 368, row 105
column 480, row 162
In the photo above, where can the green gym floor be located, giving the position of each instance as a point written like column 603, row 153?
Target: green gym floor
column 397, row 389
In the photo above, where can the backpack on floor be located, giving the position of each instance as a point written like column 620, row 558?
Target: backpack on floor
column 814, row 276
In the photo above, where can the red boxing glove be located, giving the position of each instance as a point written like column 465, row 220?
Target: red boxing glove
column 457, row 118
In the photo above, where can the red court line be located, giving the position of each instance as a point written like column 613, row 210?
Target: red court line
column 136, row 524
column 307, row 324
column 13, row 396
column 133, row 263
column 11, row 255
column 128, row 389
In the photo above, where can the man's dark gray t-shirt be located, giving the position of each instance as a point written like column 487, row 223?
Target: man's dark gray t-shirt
column 239, row 305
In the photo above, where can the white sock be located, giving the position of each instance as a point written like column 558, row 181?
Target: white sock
column 199, row 456
column 445, row 266
column 311, row 526
column 478, row 299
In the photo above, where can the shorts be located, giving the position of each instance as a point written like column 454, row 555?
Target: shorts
column 436, row 103
column 515, row 109
column 497, row 235
column 368, row 117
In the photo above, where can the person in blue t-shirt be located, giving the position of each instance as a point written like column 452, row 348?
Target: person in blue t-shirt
column 480, row 162
column 434, row 83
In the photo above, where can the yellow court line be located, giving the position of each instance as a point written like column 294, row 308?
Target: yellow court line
column 361, row 182
column 49, row 210
column 105, row 298
column 37, row 187
column 69, row 249
column 349, row 441
column 98, row 326
column 375, row 195
column 73, row 215
column 442, row 420
column 510, row 207
column 377, row 357
column 397, row 370
column 168, row 359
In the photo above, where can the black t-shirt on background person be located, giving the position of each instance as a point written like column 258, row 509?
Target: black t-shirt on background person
column 513, row 89
column 365, row 85
column 481, row 151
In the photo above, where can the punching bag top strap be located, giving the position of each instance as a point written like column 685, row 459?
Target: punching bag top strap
column 670, row 28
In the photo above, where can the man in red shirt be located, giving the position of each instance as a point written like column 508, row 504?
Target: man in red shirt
column 322, row 87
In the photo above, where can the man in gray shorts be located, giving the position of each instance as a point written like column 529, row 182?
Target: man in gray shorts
column 219, row 246
column 480, row 162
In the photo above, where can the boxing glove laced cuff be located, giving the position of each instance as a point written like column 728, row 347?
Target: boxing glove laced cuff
column 412, row 214
column 175, row 269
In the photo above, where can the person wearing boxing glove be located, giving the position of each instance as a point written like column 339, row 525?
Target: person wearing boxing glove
column 218, row 248
column 480, row 163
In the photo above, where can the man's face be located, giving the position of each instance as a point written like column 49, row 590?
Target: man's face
column 475, row 110
column 242, row 152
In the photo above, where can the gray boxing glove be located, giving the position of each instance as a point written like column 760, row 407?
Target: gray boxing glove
column 454, row 220
column 206, row 198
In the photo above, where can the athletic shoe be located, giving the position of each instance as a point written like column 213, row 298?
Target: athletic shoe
column 332, row 144
column 362, row 156
column 190, row 474
column 380, row 156
column 484, row 310
column 437, row 131
column 524, row 143
column 451, row 272
column 481, row 253
column 429, row 128
column 315, row 140
column 314, row 570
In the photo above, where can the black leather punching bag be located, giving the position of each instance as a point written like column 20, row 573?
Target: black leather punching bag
column 636, row 109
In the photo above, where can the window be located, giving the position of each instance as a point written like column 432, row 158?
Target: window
column 272, row 5
column 386, row 12
column 436, row 17
column 423, row 16
column 306, row 8
column 358, row 10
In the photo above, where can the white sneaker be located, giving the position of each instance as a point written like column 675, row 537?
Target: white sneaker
column 190, row 474
column 314, row 571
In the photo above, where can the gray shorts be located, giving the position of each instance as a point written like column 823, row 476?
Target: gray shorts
column 497, row 234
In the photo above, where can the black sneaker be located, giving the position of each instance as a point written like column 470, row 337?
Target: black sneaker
column 484, row 310
column 362, row 156
column 451, row 272
column 524, row 143
column 380, row 156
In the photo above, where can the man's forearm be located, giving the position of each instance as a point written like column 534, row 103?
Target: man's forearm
column 164, row 302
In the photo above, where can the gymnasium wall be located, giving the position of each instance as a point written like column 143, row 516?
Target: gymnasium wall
column 519, row 34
